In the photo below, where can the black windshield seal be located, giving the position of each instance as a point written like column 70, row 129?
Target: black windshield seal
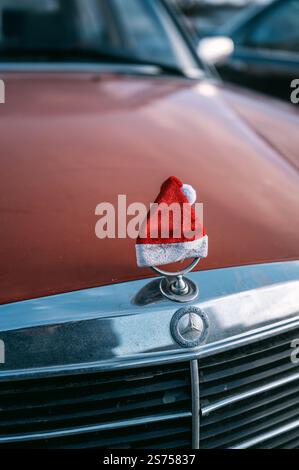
column 84, row 56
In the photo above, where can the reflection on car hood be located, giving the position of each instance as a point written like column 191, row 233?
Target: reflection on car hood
column 71, row 141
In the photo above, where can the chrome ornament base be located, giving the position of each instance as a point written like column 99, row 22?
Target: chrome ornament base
column 169, row 290
column 176, row 287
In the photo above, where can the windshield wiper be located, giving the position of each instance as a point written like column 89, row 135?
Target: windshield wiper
column 86, row 55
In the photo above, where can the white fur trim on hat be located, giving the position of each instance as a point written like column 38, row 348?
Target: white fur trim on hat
column 189, row 192
column 158, row 254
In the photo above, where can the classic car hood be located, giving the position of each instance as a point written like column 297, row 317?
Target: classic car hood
column 70, row 142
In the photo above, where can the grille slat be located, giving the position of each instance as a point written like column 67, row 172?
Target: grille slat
column 251, row 405
column 249, row 429
column 172, row 433
column 77, row 404
column 66, row 382
column 265, row 437
column 247, row 418
column 280, row 441
column 250, row 395
column 241, row 366
column 291, row 445
column 97, row 394
column 248, row 381
column 246, row 351
column 179, row 397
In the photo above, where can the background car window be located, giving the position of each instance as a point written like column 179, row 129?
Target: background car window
column 278, row 29
column 39, row 30
column 144, row 29
column 38, row 24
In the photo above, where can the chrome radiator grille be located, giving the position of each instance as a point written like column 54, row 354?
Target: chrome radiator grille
column 249, row 396
column 149, row 407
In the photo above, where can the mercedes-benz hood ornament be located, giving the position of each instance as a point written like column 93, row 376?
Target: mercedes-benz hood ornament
column 173, row 231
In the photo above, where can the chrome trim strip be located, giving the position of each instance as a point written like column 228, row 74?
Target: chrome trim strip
column 192, row 73
column 99, row 329
column 93, row 428
column 195, row 404
column 160, row 358
column 229, row 285
column 78, row 67
column 251, row 336
column 266, row 436
column 250, row 393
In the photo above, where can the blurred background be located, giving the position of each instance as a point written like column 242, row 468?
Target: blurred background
column 252, row 43
column 204, row 16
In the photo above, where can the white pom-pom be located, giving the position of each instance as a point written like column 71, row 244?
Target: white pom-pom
column 189, row 192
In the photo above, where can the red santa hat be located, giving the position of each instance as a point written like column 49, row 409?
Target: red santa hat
column 184, row 238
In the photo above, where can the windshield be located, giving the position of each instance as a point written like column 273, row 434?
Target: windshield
column 81, row 30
